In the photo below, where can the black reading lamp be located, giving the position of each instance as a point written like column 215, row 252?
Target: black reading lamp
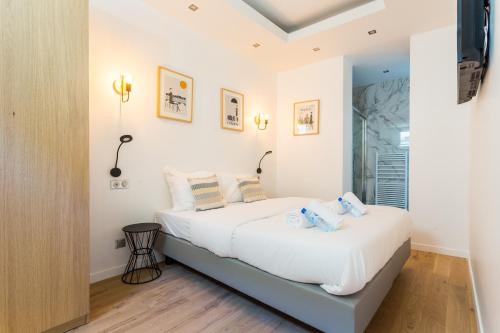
column 259, row 170
column 116, row 172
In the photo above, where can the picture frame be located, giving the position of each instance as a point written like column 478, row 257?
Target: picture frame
column 232, row 110
column 306, row 117
column 175, row 95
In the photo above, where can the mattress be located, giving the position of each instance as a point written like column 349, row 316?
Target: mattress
column 341, row 262
column 176, row 223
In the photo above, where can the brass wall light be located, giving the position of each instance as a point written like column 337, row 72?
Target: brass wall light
column 261, row 120
column 123, row 87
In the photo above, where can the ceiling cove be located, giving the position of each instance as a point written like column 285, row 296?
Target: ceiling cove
column 296, row 29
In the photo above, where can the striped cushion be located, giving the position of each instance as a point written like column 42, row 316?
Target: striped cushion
column 251, row 190
column 206, row 192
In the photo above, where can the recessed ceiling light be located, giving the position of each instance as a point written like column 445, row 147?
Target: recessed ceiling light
column 372, row 32
column 256, row 45
column 385, row 71
column 316, row 49
column 193, row 7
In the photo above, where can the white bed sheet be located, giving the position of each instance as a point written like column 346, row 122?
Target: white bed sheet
column 176, row 223
column 342, row 262
column 212, row 229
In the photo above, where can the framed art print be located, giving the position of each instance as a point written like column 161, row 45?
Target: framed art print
column 232, row 110
column 306, row 118
column 175, row 95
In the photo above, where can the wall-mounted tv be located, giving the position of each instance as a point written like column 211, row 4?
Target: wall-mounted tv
column 472, row 42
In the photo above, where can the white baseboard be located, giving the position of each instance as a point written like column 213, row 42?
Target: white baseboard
column 440, row 250
column 477, row 307
column 107, row 273
column 116, row 270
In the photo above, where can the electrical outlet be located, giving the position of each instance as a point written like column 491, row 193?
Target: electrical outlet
column 119, row 243
column 118, row 184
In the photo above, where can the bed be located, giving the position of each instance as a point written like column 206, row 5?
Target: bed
column 332, row 281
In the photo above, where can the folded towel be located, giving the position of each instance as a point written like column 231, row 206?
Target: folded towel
column 356, row 203
column 326, row 213
column 335, row 206
column 295, row 219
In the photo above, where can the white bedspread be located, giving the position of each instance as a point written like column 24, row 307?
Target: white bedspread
column 342, row 262
column 213, row 229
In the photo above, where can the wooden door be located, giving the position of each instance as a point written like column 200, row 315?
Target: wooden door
column 44, row 199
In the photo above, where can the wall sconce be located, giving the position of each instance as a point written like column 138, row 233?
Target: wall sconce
column 259, row 170
column 261, row 120
column 123, row 87
column 116, row 172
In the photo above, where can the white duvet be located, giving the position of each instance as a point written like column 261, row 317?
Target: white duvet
column 214, row 229
column 342, row 262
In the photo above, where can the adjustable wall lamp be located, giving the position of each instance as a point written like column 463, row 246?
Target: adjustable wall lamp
column 259, row 170
column 116, row 172
column 123, row 87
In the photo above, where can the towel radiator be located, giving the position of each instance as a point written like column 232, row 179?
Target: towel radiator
column 391, row 180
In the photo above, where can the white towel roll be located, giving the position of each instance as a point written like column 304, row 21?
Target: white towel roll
column 335, row 206
column 295, row 219
column 355, row 202
column 328, row 214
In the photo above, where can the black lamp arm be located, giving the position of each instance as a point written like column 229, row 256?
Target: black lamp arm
column 261, row 160
column 116, row 172
column 117, row 152
column 259, row 169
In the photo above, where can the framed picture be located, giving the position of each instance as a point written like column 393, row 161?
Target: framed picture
column 175, row 95
column 306, row 118
column 232, row 110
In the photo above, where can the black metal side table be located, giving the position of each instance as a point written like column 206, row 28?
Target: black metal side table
column 142, row 266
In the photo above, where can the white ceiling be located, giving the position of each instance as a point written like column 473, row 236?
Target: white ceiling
column 236, row 25
column 291, row 15
column 370, row 69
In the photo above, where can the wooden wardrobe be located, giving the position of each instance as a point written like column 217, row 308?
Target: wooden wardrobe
column 44, row 191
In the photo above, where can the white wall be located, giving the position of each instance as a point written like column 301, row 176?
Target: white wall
column 347, row 153
column 316, row 165
column 131, row 37
column 128, row 36
column 439, row 148
column 485, row 183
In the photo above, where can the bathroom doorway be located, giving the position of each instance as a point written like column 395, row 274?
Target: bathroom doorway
column 381, row 131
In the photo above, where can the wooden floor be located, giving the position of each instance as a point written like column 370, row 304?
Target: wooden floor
column 432, row 294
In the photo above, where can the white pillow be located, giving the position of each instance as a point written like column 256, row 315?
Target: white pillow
column 230, row 187
column 180, row 190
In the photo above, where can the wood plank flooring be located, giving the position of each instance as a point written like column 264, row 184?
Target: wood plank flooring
column 432, row 294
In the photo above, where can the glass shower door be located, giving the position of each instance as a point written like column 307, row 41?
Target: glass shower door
column 359, row 154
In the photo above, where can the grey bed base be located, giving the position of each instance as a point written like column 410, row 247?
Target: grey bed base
column 305, row 302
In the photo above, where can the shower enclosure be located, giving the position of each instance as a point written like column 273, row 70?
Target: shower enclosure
column 381, row 130
column 359, row 154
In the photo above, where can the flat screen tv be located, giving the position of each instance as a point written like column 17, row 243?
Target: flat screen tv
column 472, row 42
